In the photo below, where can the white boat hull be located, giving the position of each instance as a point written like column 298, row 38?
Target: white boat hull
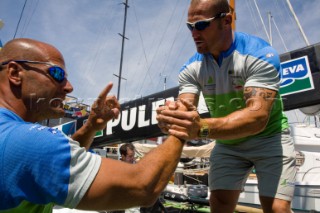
column 307, row 187
column 306, row 196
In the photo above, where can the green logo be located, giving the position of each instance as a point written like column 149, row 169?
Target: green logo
column 284, row 182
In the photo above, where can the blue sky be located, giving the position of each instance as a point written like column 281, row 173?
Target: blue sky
column 86, row 32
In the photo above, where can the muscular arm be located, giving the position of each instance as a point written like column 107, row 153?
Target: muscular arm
column 245, row 122
column 248, row 121
column 122, row 185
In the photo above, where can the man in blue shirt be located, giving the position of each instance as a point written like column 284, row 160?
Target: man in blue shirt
column 41, row 166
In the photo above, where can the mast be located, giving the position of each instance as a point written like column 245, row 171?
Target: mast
column 164, row 81
column 123, row 35
column 1, row 25
column 233, row 13
column 264, row 26
column 272, row 19
column 270, row 31
column 298, row 23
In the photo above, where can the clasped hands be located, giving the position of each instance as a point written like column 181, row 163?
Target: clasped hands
column 180, row 119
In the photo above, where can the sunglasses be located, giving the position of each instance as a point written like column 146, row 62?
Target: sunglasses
column 203, row 24
column 56, row 72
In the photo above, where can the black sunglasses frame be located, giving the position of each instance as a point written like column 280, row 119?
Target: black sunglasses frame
column 56, row 72
column 203, row 24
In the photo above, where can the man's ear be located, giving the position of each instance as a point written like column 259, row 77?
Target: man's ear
column 14, row 72
column 228, row 19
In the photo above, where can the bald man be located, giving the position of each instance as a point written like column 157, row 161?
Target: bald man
column 238, row 75
column 40, row 166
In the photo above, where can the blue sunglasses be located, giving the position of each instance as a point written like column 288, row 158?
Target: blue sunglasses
column 56, row 72
column 203, row 24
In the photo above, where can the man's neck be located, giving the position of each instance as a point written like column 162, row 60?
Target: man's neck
column 226, row 42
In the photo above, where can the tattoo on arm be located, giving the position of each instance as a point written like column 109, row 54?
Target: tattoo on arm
column 251, row 92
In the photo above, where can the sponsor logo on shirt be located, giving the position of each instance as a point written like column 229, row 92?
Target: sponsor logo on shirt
column 40, row 128
column 285, row 182
column 236, row 81
column 210, row 85
column 53, row 131
column 269, row 55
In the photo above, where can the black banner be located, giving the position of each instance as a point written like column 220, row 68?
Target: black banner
column 138, row 117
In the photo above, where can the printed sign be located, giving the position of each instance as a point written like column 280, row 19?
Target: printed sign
column 296, row 76
column 137, row 119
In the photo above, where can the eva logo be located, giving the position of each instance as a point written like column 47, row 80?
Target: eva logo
column 296, row 76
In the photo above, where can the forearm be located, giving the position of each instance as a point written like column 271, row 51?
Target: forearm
column 164, row 160
column 122, row 185
column 248, row 121
column 241, row 123
column 238, row 124
column 84, row 136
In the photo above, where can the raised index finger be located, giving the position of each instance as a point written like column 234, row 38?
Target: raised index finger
column 102, row 96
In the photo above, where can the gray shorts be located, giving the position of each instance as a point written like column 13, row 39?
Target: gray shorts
column 272, row 157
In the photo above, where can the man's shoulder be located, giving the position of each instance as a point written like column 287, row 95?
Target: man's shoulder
column 194, row 59
column 29, row 134
column 253, row 46
column 249, row 44
column 197, row 57
column 8, row 115
column 250, row 39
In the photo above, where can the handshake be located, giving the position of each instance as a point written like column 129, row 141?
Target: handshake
column 181, row 119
